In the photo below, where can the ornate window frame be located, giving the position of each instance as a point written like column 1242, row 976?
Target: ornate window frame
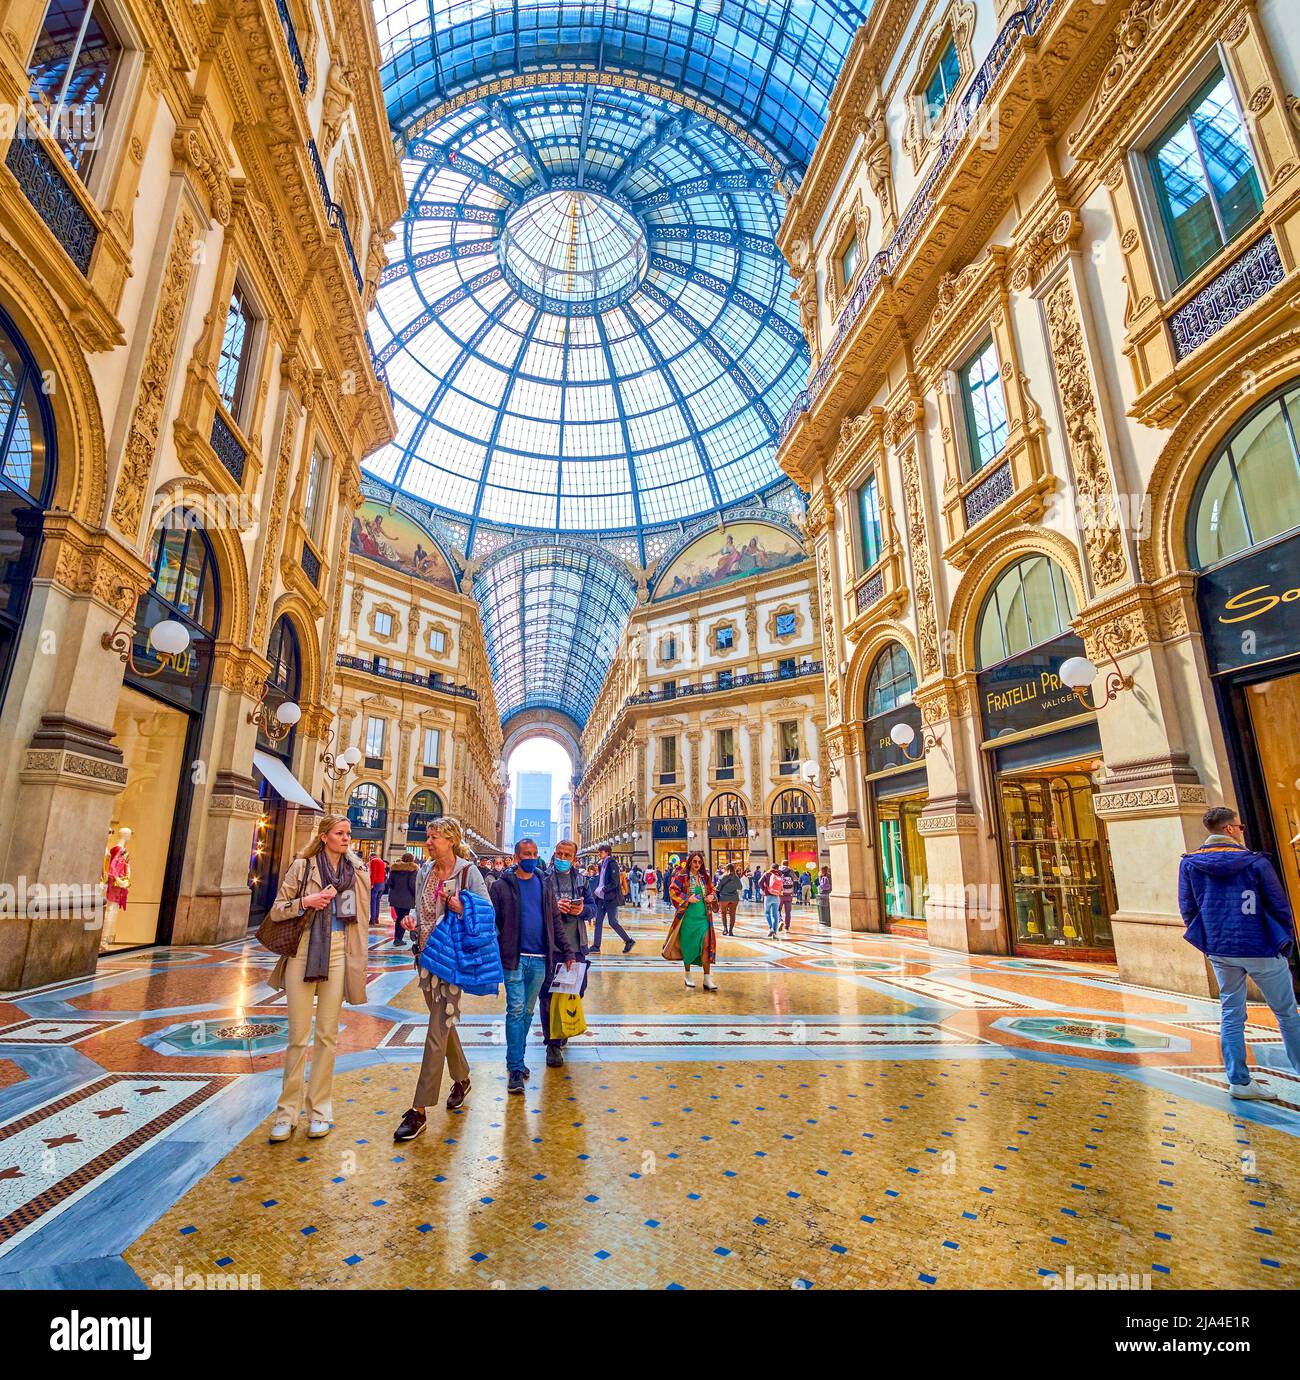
column 880, row 589
column 957, row 25
column 779, row 639
column 446, row 653
column 678, row 640
column 1114, row 135
column 855, row 221
column 711, row 639
column 394, row 614
column 1013, row 487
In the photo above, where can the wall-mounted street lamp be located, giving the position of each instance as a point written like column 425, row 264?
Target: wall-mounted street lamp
column 337, row 767
column 902, row 737
column 1078, row 674
column 277, row 726
column 811, row 770
column 167, row 637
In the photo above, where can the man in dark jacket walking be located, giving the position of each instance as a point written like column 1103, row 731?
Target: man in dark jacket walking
column 532, row 941
column 607, row 893
column 571, row 892
column 1238, row 916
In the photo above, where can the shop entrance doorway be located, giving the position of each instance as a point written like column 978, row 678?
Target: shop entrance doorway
column 1057, row 866
column 1274, row 709
column 903, row 872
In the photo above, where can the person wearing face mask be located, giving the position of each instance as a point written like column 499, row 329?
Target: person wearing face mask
column 532, row 940
column 576, row 907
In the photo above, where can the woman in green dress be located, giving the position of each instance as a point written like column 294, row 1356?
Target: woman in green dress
column 694, row 900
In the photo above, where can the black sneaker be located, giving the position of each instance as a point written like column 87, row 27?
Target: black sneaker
column 627, row 948
column 456, row 1097
column 412, row 1124
column 516, row 1083
column 554, row 1057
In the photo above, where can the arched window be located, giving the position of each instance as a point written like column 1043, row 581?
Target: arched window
column 368, row 809
column 26, row 482
column 427, row 805
column 1249, row 493
column 284, row 682
column 1030, row 604
column 670, row 807
column 184, row 571
column 792, row 803
column 727, row 804
column 891, row 682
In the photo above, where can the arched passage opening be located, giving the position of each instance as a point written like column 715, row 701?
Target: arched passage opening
column 539, row 768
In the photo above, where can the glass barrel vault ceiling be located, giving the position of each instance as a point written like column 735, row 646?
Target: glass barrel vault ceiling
column 586, row 325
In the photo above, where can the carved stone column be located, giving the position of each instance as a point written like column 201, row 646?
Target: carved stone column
column 854, row 901
column 1161, row 749
column 60, row 764
column 212, row 905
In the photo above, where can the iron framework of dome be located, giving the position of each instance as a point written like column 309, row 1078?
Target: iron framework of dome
column 586, row 326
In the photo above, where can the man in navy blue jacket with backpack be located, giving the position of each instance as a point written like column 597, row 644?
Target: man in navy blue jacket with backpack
column 1238, row 916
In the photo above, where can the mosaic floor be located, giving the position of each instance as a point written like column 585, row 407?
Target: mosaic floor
column 846, row 1111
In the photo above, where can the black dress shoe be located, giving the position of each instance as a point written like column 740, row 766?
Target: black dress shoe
column 516, row 1083
column 554, row 1057
column 412, row 1124
column 627, row 948
column 456, row 1097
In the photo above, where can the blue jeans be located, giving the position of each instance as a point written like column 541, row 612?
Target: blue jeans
column 772, row 912
column 1273, row 978
column 522, row 986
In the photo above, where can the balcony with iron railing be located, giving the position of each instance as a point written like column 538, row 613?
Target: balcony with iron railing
column 428, row 680
column 726, row 681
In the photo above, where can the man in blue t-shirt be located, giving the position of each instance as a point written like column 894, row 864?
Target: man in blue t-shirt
column 532, row 941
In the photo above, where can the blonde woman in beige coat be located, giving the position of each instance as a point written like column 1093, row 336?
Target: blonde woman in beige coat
column 329, row 887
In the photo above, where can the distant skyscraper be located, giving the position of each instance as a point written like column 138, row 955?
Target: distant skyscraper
column 533, row 810
column 534, row 790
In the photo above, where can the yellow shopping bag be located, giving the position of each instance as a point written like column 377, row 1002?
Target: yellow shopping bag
column 566, row 1015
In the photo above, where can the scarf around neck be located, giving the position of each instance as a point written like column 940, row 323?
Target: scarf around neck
column 342, row 879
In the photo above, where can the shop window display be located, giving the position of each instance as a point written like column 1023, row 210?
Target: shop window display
column 1056, row 860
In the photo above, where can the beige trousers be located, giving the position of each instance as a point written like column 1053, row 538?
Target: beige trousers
column 441, row 1042
column 325, row 999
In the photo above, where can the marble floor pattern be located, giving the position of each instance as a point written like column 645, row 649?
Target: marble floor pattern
column 846, row 1111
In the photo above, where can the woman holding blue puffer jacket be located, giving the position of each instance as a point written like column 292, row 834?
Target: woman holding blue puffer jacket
column 445, row 885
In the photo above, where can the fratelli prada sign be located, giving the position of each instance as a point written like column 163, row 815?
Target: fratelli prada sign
column 882, row 751
column 1026, row 692
column 1250, row 608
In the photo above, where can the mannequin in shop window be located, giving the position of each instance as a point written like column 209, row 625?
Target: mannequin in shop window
column 117, row 883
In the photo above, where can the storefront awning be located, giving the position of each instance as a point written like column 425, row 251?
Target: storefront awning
column 285, row 784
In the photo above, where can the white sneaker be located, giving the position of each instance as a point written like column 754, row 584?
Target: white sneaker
column 710, row 985
column 282, row 1130
column 319, row 1127
column 1253, row 1090
column 689, row 983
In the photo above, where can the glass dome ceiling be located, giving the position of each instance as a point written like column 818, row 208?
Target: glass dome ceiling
column 590, row 327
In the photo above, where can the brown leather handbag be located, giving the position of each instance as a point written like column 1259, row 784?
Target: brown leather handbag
column 283, row 936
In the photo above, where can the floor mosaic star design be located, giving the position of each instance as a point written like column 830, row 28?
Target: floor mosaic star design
column 846, row 1111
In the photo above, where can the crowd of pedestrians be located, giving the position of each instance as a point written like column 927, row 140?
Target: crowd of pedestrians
column 517, row 923
column 524, row 925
